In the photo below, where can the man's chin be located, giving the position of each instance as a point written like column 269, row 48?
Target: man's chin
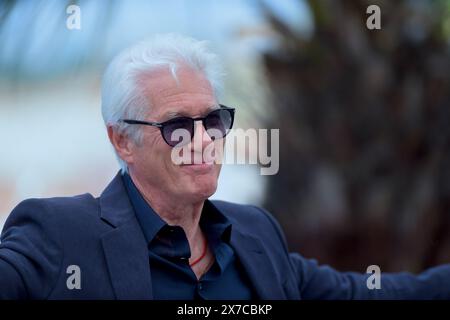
column 198, row 185
column 200, row 192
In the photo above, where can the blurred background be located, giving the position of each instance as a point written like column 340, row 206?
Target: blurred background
column 364, row 115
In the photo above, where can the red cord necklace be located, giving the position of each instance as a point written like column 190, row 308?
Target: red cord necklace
column 201, row 256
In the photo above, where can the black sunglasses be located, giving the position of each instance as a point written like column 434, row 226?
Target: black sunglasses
column 217, row 123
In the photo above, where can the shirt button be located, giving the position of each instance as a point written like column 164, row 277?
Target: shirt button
column 200, row 286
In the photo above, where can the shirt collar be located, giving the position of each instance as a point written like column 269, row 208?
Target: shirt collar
column 216, row 226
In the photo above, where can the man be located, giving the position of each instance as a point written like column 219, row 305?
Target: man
column 153, row 233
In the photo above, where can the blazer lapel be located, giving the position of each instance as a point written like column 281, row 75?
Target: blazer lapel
column 128, row 263
column 257, row 265
column 124, row 246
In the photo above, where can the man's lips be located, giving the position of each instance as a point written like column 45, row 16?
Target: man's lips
column 198, row 167
column 205, row 164
column 198, row 160
column 197, row 164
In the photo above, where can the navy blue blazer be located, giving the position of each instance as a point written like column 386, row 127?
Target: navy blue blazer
column 42, row 238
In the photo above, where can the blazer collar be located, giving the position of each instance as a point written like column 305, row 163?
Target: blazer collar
column 115, row 206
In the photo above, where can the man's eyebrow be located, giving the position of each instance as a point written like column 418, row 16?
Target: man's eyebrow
column 173, row 114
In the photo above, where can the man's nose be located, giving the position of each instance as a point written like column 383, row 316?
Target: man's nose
column 201, row 138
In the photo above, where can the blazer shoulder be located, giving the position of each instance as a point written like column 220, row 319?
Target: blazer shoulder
column 43, row 209
column 33, row 241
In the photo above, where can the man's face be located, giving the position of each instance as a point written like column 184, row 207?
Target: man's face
column 151, row 163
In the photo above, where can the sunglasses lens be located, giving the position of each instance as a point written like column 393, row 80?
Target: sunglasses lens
column 178, row 132
column 218, row 123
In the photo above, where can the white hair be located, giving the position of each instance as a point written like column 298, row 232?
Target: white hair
column 122, row 94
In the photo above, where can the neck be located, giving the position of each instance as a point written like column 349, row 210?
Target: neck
column 174, row 211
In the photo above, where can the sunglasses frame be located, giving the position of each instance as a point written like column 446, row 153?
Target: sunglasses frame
column 161, row 125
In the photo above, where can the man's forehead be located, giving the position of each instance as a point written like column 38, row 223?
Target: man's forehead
column 189, row 94
column 163, row 81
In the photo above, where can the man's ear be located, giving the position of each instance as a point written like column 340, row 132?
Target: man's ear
column 122, row 144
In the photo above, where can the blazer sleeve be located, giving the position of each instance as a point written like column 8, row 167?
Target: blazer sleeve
column 323, row 282
column 316, row 281
column 30, row 257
